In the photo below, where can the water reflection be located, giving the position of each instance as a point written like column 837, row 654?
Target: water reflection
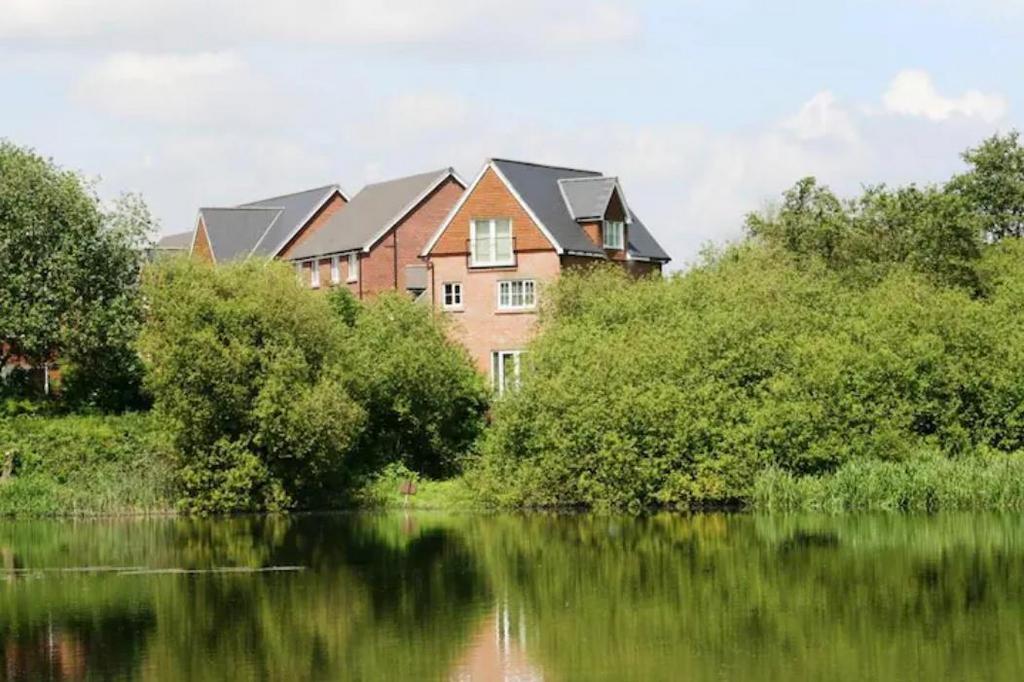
column 433, row 596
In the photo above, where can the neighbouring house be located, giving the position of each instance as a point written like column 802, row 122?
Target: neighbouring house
column 517, row 227
column 374, row 244
column 269, row 228
column 170, row 245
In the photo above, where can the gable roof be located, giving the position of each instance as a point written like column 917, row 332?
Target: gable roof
column 262, row 227
column 371, row 214
column 587, row 198
column 235, row 232
column 296, row 211
column 557, row 198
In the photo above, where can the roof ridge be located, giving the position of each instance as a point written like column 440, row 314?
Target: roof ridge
column 248, row 204
column 241, row 208
column 590, row 179
column 545, row 165
column 432, row 173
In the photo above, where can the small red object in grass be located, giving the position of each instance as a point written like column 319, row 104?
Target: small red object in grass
column 408, row 488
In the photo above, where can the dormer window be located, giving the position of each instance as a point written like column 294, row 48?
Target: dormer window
column 614, row 234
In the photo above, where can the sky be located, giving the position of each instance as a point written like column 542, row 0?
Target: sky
column 704, row 110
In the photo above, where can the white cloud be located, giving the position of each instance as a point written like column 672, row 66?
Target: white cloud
column 912, row 93
column 205, row 88
column 439, row 26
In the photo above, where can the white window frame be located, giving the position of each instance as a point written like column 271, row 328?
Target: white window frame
column 353, row 266
column 475, row 260
column 498, row 378
column 335, row 270
column 508, row 303
column 620, row 233
column 314, row 274
column 456, row 296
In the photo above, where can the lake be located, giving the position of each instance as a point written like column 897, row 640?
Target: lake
column 430, row 596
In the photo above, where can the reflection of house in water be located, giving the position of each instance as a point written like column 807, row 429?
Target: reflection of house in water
column 498, row 651
column 77, row 648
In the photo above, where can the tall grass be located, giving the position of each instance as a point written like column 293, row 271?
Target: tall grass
column 85, row 465
column 929, row 483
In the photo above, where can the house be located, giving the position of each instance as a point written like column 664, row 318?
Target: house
column 170, row 245
column 269, row 228
column 517, row 227
column 374, row 243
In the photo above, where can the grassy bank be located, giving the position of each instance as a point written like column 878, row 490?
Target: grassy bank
column 83, row 465
column 932, row 483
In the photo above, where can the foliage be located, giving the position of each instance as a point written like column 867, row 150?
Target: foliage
column 678, row 392
column 244, row 365
column 84, row 465
column 994, row 185
column 383, row 490
column 930, row 230
column 69, row 276
column 423, row 398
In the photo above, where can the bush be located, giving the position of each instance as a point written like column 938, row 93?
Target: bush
column 244, row 366
column 423, row 398
column 678, row 392
column 85, row 465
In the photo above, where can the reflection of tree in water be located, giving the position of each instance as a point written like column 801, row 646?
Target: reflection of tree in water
column 76, row 646
column 764, row 598
column 377, row 601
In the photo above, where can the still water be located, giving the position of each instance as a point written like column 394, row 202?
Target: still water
column 464, row 597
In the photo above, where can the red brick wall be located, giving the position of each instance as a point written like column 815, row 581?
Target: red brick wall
column 491, row 199
column 402, row 245
column 330, row 207
column 201, row 250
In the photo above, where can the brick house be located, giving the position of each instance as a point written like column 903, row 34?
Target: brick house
column 374, row 244
column 518, row 226
column 270, row 228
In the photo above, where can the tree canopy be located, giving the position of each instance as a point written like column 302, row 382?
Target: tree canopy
column 69, row 274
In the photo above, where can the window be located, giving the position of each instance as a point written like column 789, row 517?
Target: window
column 614, row 234
column 314, row 274
column 353, row 267
column 451, row 296
column 490, row 242
column 517, row 294
column 335, row 270
column 505, row 369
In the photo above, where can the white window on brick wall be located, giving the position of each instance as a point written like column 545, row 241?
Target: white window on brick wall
column 314, row 274
column 614, row 234
column 451, row 295
column 517, row 294
column 335, row 270
column 353, row 267
column 490, row 242
column 505, row 365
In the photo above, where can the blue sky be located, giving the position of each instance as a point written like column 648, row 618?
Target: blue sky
column 705, row 110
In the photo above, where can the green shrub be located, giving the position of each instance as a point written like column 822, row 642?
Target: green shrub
column 423, row 398
column 85, row 465
column 678, row 392
column 245, row 367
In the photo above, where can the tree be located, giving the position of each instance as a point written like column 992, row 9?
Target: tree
column 934, row 231
column 994, row 185
column 245, row 368
column 68, row 273
column 423, row 399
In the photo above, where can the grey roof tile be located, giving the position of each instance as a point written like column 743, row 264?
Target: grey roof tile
column 234, row 232
column 181, row 240
column 296, row 209
column 587, row 197
column 375, row 208
column 540, row 189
